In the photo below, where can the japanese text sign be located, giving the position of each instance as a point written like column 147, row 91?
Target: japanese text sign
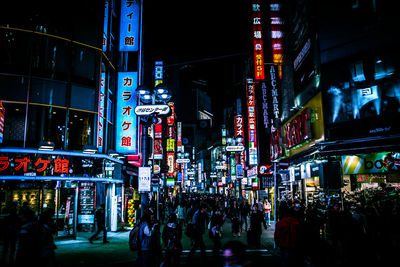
column 257, row 41
column 129, row 27
column 126, row 120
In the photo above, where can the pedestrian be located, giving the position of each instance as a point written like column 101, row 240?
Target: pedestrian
column 199, row 222
column 146, row 233
column 234, row 253
column 267, row 211
column 216, row 222
column 181, row 213
column 234, row 214
column 285, row 237
column 171, row 237
column 11, row 229
column 244, row 213
column 100, row 217
column 47, row 245
column 28, row 250
column 256, row 222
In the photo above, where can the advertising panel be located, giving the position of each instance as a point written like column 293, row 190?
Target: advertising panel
column 171, row 118
column 2, row 114
column 105, row 26
column 100, row 117
column 276, row 24
column 171, row 163
column 371, row 163
column 129, row 27
column 258, row 48
column 251, row 117
column 125, row 123
column 303, row 130
column 144, row 179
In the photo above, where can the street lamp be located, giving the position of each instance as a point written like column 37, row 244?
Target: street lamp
column 150, row 98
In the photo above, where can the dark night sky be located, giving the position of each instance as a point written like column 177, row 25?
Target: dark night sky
column 193, row 31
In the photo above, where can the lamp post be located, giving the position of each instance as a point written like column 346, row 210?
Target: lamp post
column 153, row 104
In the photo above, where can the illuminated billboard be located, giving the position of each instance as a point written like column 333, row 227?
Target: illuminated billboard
column 251, row 117
column 129, row 27
column 100, row 117
column 126, row 122
column 258, row 48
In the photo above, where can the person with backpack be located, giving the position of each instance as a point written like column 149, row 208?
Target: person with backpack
column 145, row 237
column 216, row 222
column 171, row 237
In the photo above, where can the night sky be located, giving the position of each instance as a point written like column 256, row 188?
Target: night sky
column 206, row 35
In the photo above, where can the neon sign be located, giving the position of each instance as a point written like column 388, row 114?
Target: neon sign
column 257, row 41
column 129, row 27
column 125, row 117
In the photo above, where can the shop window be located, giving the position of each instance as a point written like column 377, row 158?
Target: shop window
column 46, row 124
column 13, row 88
column 14, row 124
column 81, row 129
column 14, row 53
column 84, row 62
column 48, row 92
column 83, row 98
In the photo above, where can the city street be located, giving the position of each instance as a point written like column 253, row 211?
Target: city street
column 80, row 252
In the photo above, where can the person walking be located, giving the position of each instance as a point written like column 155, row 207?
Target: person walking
column 100, row 217
column 216, row 222
column 234, row 214
column 244, row 213
column 199, row 222
column 47, row 246
column 181, row 213
column 11, row 229
column 28, row 250
column 171, row 237
column 267, row 211
column 256, row 222
column 285, row 236
column 146, row 236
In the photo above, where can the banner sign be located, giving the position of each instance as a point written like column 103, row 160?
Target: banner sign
column 105, row 26
column 371, row 163
column 144, row 110
column 100, row 117
column 171, row 163
column 129, row 26
column 158, row 72
column 251, row 111
column 158, row 149
column 276, row 26
column 171, row 118
column 2, row 115
column 257, row 41
column 144, row 179
column 125, row 123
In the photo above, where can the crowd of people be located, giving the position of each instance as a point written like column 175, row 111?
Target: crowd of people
column 195, row 215
column 350, row 229
column 28, row 239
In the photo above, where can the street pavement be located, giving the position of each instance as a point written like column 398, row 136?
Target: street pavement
column 80, row 252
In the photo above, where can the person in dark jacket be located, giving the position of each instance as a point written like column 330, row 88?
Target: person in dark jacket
column 285, row 236
column 146, row 255
column 199, row 221
column 257, row 220
column 100, row 217
column 171, row 237
column 234, row 214
column 244, row 213
column 12, row 225
column 216, row 222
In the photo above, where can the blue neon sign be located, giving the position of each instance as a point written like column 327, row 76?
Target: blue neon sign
column 126, row 120
column 129, row 28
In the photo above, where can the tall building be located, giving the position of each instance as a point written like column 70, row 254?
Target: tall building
column 338, row 126
column 58, row 94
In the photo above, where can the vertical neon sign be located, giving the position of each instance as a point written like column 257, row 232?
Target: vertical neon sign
column 257, row 41
column 129, row 27
column 100, row 117
column 276, row 35
column 251, row 113
column 125, row 117
column 105, row 29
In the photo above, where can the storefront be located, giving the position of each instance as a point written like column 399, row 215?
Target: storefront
column 70, row 184
column 371, row 170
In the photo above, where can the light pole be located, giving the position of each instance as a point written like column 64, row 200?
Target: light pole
column 153, row 104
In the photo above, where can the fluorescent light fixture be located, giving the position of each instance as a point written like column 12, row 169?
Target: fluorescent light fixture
column 46, row 145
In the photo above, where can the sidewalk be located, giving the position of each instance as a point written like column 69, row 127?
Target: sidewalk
column 80, row 252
